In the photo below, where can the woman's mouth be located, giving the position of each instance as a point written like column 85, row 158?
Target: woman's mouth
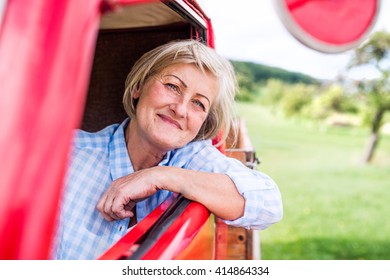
column 170, row 121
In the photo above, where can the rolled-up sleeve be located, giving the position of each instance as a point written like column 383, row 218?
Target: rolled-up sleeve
column 263, row 201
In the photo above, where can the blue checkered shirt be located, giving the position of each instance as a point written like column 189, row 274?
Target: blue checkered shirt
column 100, row 158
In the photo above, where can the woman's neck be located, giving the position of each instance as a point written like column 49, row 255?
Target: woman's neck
column 141, row 153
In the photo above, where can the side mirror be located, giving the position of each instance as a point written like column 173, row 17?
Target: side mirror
column 328, row 26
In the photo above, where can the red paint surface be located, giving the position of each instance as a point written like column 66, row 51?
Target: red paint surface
column 335, row 22
column 46, row 51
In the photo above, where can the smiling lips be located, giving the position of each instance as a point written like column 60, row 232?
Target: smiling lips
column 170, row 121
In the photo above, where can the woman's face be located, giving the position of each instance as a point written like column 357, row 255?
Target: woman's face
column 173, row 105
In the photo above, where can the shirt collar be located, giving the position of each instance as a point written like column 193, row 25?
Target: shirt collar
column 166, row 159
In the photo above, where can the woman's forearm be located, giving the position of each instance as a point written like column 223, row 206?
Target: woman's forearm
column 215, row 191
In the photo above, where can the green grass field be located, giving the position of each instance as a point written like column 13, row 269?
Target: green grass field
column 335, row 207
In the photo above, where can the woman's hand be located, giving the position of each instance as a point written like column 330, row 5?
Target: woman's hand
column 215, row 191
column 120, row 198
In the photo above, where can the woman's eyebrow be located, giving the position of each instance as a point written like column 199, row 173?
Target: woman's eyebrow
column 181, row 81
column 185, row 85
column 204, row 96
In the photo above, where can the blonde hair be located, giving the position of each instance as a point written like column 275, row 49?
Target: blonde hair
column 222, row 115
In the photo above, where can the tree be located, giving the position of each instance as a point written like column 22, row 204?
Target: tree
column 375, row 52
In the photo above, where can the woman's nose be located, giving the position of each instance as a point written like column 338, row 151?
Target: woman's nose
column 180, row 108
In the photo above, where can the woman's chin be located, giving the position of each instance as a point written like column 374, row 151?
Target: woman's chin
column 169, row 143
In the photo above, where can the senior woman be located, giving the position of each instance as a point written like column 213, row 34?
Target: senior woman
column 178, row 97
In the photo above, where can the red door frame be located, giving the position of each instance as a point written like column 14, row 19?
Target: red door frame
column 46, row 54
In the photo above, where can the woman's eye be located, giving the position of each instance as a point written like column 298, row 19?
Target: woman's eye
column 199, row 104
column 173, row 87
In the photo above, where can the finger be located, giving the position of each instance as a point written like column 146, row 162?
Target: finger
column 130, row 205
column 113, row 210
column 121, row 209
column 101, row 208
column 101, row 202
column 105, row 207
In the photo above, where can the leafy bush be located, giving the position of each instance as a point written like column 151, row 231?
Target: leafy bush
column 330, row 100
column 274, row 91
column 297, row 98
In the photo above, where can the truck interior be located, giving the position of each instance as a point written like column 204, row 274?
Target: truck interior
column 171, row 231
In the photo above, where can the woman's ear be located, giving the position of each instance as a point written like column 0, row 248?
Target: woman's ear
column 136, row 94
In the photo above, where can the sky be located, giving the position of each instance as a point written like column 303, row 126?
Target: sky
column 251, row 30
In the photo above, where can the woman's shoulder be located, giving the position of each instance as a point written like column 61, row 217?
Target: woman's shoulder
column 100, row 139
column 194, row 147
column 184, row 155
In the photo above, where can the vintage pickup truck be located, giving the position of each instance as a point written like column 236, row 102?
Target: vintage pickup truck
column 62, row 66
